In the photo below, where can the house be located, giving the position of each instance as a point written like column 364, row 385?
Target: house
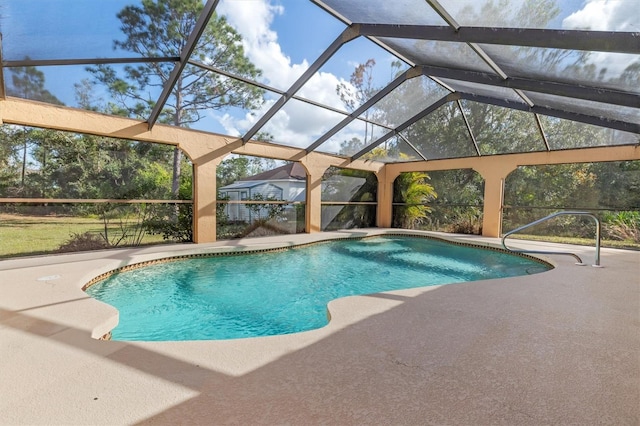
column 287, row 183
column 284, row 183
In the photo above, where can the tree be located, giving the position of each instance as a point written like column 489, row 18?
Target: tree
column 501, row 130
column 442, row 134
column 357, row 92
column 262, row 206
column 410, row 188
column 237, row 167
column 618, row 184
column 86, row 166
column 413, row 190
column 29, row 83
column 351, row 147
column 45, row 142
column 10, row 158
column 161, row 28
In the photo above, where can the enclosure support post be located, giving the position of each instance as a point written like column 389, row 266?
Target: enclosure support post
column 494, row 177
column 384, row 211
column 204, row 201
column 313, row 207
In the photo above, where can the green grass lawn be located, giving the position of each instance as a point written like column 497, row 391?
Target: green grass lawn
column 29, row 235
column 632, row 245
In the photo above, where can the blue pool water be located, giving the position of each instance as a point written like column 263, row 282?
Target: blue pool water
column 228, row 297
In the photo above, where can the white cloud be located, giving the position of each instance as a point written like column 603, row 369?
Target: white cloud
column 253, row 19
column 297, row 125
column 605, row 15
column 322, row 88
column 237, row 126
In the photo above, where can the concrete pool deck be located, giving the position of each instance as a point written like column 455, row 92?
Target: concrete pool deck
column 561, row 347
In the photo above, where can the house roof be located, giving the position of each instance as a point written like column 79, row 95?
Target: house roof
column 288, row 171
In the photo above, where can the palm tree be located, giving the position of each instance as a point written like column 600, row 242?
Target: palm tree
column 413, row 190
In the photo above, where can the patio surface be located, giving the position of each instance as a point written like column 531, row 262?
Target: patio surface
column 561, row 347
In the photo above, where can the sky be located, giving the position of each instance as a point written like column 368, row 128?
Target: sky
column 265, row 26
column 281, row 37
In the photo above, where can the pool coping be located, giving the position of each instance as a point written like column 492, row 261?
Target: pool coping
column 103, row 263
column 46, row 327
column 103, row 330
column 250, row 251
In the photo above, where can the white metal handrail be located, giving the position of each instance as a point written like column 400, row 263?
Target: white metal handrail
column 551, row 216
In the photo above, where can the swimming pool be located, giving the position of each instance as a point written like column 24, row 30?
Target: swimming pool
column 227, row 297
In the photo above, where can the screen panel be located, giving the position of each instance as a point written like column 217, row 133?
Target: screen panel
column 441, row 134
column 45, row 29
column 408, row 12
column 352, row 138
column 618, row 15
column 299, row 124
column 483, row 90
column 438, row 53
column 618, row 71
column 500, row 130
column 597, row 109
column 567, row 134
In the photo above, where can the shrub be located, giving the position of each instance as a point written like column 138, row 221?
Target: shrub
column 624, row 226
column 174, row 223
column 83, row 242
column 466, row 222
column 123, row 225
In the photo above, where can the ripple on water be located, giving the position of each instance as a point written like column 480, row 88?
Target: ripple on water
column 227, row 297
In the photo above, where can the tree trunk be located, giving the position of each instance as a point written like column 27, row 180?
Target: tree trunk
column 175, row 182
column 177, row 154
column 24, row 163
